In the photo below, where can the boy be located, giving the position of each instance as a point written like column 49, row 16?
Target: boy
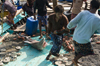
column 28, row 7
column 12, row 11
column 87, row 23
column 57, row 24
column 42, row 11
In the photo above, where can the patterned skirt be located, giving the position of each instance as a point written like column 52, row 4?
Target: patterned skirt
column 57, row 43
column 83, row 49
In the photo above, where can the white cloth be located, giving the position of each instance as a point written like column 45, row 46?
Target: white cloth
column 86, row 24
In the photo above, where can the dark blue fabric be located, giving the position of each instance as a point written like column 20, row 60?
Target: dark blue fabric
column 57, row 43
column 43, row 19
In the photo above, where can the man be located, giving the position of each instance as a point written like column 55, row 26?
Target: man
column 42, row 13
column 86, row 22
column 57, row 23
column 76, row 8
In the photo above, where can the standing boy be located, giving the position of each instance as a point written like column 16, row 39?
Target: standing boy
column 57, row 24
column 42, row 13
column 87, row 23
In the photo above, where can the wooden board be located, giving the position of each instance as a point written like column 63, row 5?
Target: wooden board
column 21, row 28
column 17, row 18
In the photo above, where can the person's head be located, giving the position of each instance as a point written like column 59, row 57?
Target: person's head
column 2, row 1
column 59, row 10
column 94, row 4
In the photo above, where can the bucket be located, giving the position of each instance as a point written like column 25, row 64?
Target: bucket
column 31, row 26
column 19, row 7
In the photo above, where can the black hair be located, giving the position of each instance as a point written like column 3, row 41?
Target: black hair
column 59, row 9
column 95, row 4
column 2, row 0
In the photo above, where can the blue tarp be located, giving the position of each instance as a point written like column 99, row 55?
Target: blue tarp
column 32, row 57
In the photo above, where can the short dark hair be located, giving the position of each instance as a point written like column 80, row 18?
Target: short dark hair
column 95, row 4
column 59, row 9
column 2, row 0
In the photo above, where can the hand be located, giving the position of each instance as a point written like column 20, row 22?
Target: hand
column 34, row 17
column 27, row 4
column 68, row 11
column 23, row 14
column 13, row 3
column 55, row 32
column 48, row 38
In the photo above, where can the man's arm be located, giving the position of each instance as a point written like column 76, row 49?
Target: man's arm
column 73, row 23
column 47, row 4
column 71, row 7
column 49, row 25
column 35, row 6
column 85, row 5
column 12, row 2
column 98, row 30
column 27, row 3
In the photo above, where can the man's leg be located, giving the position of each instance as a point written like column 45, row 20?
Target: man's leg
column 40, row 29
column 45, row 23
column 46, row 29
column 47, row 58
column 75, row 60
column 57, row 43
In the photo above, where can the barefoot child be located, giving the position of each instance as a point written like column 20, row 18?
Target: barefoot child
column 12, row 11
column 57, row 23
column 87, row 23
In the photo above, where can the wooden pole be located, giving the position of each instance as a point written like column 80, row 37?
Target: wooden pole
column 54, row 3
column 3, row 37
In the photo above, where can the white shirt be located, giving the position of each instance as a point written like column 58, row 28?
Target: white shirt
column 87, row 23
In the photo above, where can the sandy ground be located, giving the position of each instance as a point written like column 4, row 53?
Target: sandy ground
column 92, row 60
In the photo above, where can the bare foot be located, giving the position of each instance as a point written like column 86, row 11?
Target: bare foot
column 48, row 38
column 23, row 14
column 41, row 36
column 98, row 42
column 74, row 62
column 47, row 58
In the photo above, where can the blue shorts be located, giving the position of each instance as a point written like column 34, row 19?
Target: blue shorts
column 43, row 19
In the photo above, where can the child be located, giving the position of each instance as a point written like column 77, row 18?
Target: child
column 57, row 24
column 42, row 11
column 12, row 11
column 86, row 22
column 28, row 7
